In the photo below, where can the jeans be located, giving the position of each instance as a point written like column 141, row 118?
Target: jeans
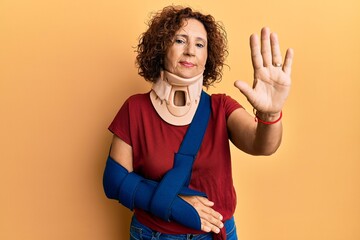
column 139, row 231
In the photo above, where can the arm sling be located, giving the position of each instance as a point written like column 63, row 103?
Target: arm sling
column 162, row 198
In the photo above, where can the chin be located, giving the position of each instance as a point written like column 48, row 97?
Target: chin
column 187, row 75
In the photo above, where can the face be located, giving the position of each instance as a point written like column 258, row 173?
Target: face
column 187, row 55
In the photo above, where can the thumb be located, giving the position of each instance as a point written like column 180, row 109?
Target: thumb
column 244, row 89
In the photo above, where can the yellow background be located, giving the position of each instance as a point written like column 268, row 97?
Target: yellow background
column 67, row 66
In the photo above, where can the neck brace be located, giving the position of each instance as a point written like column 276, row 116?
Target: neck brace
column 163, row 97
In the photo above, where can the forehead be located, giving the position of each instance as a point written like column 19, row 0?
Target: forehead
column 192, row 27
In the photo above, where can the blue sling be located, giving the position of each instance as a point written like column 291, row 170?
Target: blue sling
column 180, row 174
column 162, row 198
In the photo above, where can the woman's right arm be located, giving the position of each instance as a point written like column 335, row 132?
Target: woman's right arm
column 121, row 152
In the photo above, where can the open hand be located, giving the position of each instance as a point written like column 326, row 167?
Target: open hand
column 210, row 219
column 271, row 75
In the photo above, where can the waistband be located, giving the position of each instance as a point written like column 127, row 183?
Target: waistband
column 229, row 226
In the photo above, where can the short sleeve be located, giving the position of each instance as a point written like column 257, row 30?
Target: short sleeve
column 230, row 105
column 120, row 126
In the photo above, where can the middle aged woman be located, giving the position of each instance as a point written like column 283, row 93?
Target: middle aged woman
column 182, row 51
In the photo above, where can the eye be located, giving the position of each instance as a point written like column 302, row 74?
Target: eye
column 200, row 45
column 179, row 41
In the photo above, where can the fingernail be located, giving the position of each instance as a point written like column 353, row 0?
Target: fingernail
column 217, row 230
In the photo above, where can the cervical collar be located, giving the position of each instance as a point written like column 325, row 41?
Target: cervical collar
column 163, row 94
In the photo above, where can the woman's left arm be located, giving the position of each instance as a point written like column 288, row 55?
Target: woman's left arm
column 271, row 87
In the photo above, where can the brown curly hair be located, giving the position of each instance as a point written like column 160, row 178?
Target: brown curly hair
column 153, row 43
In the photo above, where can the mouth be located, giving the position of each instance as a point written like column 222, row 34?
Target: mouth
column 187, row 64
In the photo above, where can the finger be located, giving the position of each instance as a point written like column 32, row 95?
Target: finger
column 256, row 57
column 205, row 226
column 209, row 227
column 288, row 61
column 205, row 201
column 208, row 212
column 245, row 89
column 266, row 47
column 275, row 49
column 212, row 217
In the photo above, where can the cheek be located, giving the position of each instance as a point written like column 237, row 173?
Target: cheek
column 170, row 59
column 168, row 65
column 203, row 59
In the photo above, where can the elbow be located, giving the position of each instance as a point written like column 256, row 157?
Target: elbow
column 112, row 178
column 109, row 189
column 264, row 152
column 269, row 152
column 266, row 149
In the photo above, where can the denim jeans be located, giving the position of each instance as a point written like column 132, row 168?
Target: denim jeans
column 139, row 231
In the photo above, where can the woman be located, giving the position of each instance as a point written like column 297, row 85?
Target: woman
column 182, row 51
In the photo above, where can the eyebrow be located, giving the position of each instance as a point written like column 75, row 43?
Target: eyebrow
column 186, row 36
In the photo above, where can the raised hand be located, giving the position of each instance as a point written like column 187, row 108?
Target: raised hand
column 272, row 80
column 210, row 219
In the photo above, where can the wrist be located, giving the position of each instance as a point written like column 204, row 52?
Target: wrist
column 267, row 118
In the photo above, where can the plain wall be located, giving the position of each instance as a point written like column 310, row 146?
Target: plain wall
column 67, row 66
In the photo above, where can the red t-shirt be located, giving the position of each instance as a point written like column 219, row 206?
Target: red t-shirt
column 155, row 141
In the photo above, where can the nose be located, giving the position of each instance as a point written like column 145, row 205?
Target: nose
column 189, row 49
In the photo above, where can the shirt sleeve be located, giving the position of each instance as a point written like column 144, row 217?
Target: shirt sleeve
column 230, row 105
column 120, row 126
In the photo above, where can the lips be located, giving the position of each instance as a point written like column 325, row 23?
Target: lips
column 187, row 64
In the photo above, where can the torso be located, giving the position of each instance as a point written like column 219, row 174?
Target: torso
column 155, row 141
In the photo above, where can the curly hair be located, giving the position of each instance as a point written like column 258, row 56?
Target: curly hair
column 154, row 43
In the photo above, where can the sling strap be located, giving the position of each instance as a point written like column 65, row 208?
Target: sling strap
column 180, row 174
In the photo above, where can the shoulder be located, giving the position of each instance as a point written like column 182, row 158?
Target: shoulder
column 129, row 115
column 137, row 101
column 132, row 105
column 220, row 97
column 221, row 101
column 138, row 98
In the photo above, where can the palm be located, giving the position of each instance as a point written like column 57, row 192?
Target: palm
column 271, row 88
column 271, row 83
